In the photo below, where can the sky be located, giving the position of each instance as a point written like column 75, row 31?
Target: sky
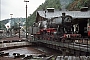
column 18, row 8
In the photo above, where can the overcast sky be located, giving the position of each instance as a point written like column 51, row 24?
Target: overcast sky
column 17, row 8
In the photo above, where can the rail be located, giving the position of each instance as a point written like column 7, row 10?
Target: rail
column 82, row 47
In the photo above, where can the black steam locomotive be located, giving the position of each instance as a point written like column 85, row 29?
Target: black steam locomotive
column 63, row 31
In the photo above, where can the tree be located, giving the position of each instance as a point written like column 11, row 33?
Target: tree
column 2, row 26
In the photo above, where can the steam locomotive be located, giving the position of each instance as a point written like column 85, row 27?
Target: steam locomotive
column 64, row 31
column 64, row 28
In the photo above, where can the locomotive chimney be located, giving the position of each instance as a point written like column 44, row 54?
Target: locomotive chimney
column 84, row 9
column 50, row 9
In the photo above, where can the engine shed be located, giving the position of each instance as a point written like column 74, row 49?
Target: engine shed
column 80, row 20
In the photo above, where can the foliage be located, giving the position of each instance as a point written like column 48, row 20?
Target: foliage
column 51, row 4
column 77, row 4
column 15, row 25
column 2, row 26
column 14, row 22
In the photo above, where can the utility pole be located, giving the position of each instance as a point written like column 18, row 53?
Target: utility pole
column 11, row 20
column 19, row 27
column 26, row 17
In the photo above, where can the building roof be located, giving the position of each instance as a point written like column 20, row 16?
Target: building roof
column 74, row 14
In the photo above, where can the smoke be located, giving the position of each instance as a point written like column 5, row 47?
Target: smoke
column 8, row 25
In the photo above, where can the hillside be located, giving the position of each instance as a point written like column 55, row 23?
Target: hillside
column 47, row 4
column 77, row 4
column 65, row 3
column 13, row 22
